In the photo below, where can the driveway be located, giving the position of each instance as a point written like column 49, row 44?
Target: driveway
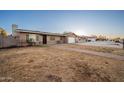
column 108, row 55
column 103, row 44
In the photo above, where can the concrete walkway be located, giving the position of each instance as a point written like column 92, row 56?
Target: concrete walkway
column 108, row 55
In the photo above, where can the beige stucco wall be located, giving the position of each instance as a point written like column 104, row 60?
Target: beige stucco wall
column 49, row 41
column 40, row 41
column 57, row 40
column 40, row 38
column 22, row 37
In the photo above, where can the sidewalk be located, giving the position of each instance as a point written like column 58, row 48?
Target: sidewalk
column 108, row 55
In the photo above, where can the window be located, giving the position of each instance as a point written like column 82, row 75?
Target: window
column 52, row 38
column 37, row 38
column 61, row 38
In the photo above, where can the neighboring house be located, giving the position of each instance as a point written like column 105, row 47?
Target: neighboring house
column 101, row 38
column 91, row 38
column 71, row 37
column 38, row 37
column 80, row 39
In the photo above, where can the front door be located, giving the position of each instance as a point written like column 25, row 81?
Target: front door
column 44, row 39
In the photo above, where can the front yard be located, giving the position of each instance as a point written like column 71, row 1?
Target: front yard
column 50, row 64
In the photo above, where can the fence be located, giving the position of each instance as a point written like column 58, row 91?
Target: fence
column 8, row 41
column 11, row 41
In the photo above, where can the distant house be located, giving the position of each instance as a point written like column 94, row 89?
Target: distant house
column 38, row 37
column 91, row 38
column 80, row 39
column 101, row 38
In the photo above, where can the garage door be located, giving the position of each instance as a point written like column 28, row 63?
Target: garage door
column 71, row 40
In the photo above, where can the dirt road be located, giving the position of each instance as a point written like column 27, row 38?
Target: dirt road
column 108, row 55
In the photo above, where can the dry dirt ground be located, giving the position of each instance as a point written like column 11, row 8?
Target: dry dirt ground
column 47, row 64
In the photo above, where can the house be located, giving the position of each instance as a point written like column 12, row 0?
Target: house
column 81, row 39
column 37, row 37
column 91, row 38
column 101, row 38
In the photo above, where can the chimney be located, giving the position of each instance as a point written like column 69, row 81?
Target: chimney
column 14, row 27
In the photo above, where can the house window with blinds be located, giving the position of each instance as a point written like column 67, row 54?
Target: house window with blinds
column 52, row 38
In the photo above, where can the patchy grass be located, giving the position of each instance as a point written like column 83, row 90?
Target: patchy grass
column 42, row 45
column 53, row 65
column 116, row 51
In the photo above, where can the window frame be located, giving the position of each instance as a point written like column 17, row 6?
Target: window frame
column 52, row 38
column 37, row 37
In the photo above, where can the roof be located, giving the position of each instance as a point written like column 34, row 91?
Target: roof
column 92, row 36
column 38, row 32
column 70, row 34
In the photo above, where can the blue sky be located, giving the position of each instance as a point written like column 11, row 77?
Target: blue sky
column 110, row 23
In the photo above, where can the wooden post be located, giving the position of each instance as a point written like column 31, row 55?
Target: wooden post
column 123, row 43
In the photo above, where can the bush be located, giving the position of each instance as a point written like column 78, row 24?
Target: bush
column 30, row 41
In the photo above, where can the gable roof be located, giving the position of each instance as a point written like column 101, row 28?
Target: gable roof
column 71, row 34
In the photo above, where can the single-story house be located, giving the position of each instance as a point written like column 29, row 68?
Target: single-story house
column 38, row 37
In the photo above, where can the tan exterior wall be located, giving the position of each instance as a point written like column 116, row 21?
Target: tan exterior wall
column 22, row 37
column 40, row 41
column 56, row 41
column 49, row 41
column 56, row 38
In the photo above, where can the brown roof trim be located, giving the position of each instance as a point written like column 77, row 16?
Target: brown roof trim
column 38, row 32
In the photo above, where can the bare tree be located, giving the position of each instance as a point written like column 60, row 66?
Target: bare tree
column 3, row 34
